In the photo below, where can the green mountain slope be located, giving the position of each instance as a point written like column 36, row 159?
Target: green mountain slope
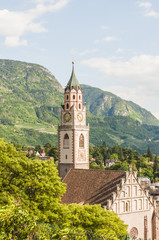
column 102, row 104
column 123, row 131
column 30, row 99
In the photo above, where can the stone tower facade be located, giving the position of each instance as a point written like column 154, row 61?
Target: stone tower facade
column 73, row 133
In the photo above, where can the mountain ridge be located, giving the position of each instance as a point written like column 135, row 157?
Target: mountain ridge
column 30, row 99
column 103, row 103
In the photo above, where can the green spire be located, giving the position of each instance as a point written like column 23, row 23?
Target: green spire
column 73, row 82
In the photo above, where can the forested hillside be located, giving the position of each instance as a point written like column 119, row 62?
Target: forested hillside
column 102, row 104
column 30, row 99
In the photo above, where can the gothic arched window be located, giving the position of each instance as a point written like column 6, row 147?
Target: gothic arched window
column 66, row 141
column 67, row 97
column 67, row 106
column 81, row 141
column 127, row 206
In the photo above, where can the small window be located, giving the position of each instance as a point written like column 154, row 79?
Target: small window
column 67, row 97
column 74, row 96
column 79, row 106
column 67, row 106
column 79, row 97
column 66, row 156
column 66, row 142
column 127, row 207
column 140, row 204
column 81, row 141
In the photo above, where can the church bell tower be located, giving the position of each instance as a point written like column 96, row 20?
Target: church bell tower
column 73, row 133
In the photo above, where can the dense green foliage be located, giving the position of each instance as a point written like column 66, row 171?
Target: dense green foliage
column 96, row 219
column 123, row 131
column 36, row 189
column 125, row 156
column 35, row 183
column 30, row 99
column 15, row 223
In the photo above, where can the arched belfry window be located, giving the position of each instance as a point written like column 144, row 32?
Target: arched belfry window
column 67, row 106
column 74, row 96
column 81, row 141
column 66, row 141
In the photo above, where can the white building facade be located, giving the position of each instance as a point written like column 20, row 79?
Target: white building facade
column 135, row 207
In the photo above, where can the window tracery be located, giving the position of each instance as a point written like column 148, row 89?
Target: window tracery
column 66, row 141
column 81, row 141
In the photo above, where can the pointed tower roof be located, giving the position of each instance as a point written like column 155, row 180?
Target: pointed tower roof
column 73, row 82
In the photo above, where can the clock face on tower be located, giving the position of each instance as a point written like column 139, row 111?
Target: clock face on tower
column 67, row 117
column 80, row 117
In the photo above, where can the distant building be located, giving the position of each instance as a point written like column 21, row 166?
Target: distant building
column 110, row 162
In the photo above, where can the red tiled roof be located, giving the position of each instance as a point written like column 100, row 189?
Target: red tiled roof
column 91, row 186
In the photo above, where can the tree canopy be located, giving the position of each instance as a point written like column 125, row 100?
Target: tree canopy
column 36, row 183
column 37, row 189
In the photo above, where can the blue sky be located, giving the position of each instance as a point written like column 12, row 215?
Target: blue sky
column 115, row 44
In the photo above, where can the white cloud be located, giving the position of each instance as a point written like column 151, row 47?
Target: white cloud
column 109, row 39
column 13, row 25
column 145, row 4
column 148, row 10
column 151, row 13
column 88, row 52
column 135, row 79
column 15, row 41
column 143, row 67
column 106, row 39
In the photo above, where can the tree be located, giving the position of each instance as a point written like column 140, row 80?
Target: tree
column 156, row 168
column 38, row 149
column 47, row 147
column 120, row 154
column 37, row 189
column 124, row 166
column 96, row 219
column 35, row 183
column 15, row 223
column 149, row 154
column 53, row 152
column 114, row 156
